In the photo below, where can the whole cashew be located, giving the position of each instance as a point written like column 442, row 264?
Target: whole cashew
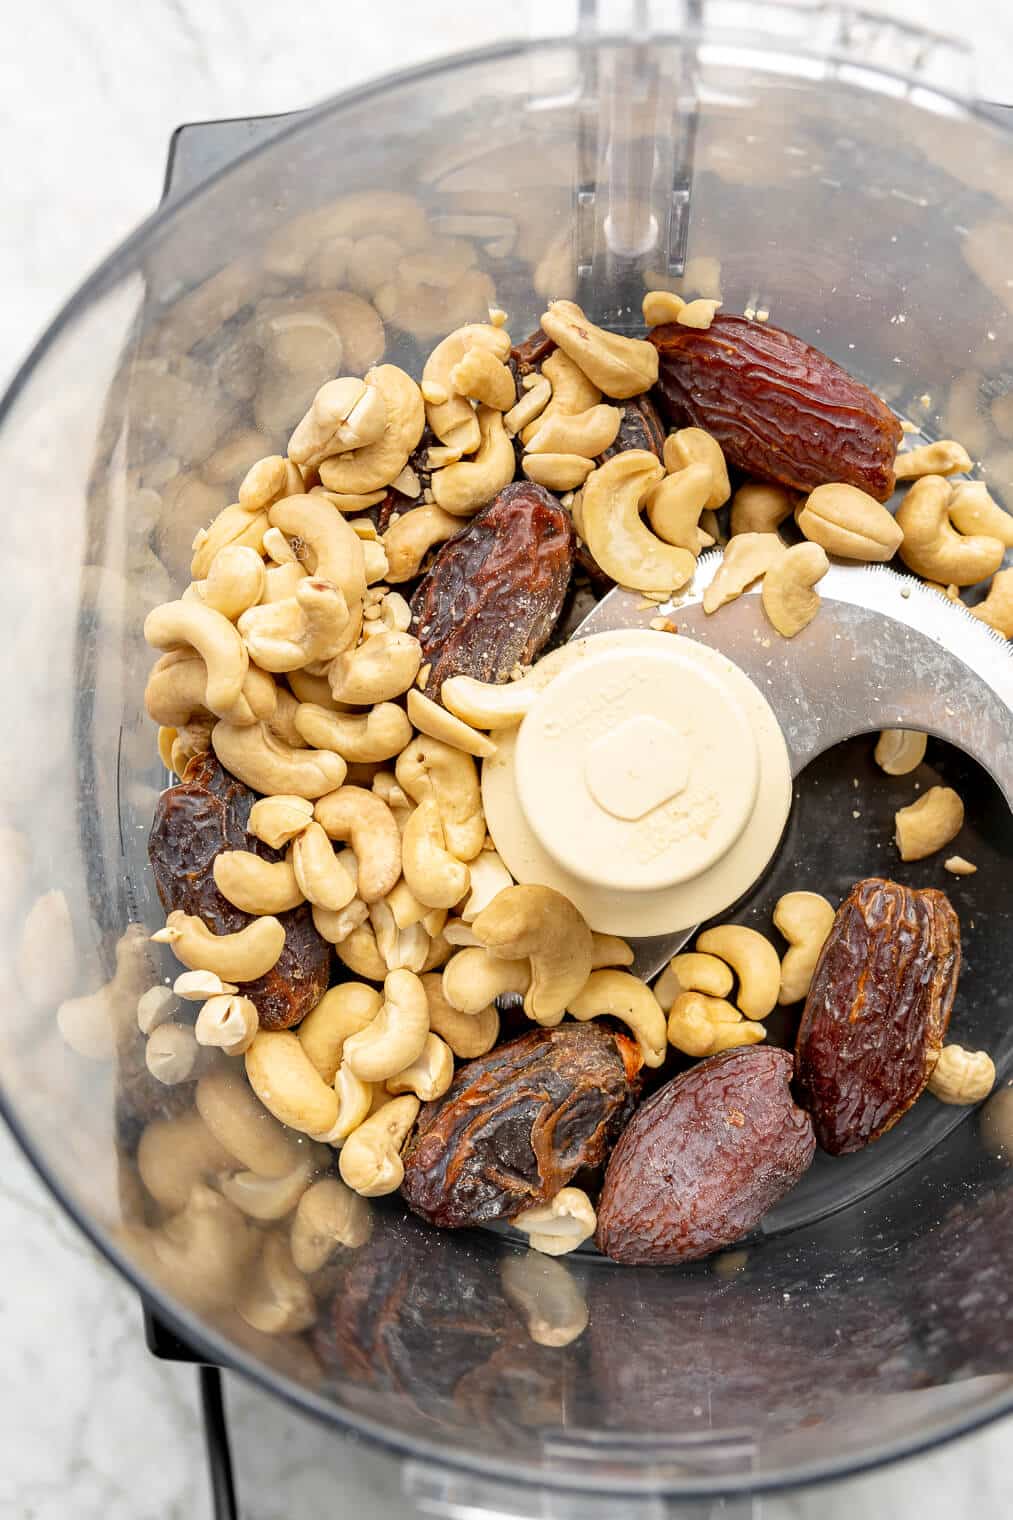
column 618, row 540
column 227, row 1023
column 473, row 979
column 930, row 823
column 704, row 1026
column 462, row 488
column 235, row 524
column 241, row 957
column 997, row 608
column 932, row 547
column 175, row 1154
column 546, row 1293
column 468, row 1034
column 944, row 457
column 308, row 627
column 354, row 814
column 900, row 750
column 674, row 506
column 202, row 1253
column 357, row 737
column 215, row 640
column 341, row 1012
column 619, row 366
column 690, row 446
column 484, row 705
column 396, row 1036
column 254, row 884
column 436, row 722
column 344, row 414
column 240, row 1123
column 96, row 1024
column 753, row 959
column 805, row 919
column 267, row 481
column 560, row 1225
column 429, row 767
column 379, row 463
column 176, row 692
column 588, row 433
column 973, row 510
column 746, row 558
column 269, row 765
column 370, row 1160
column 268, row 1198
column 485, row 379
column 288, row 1084
column 333, row 543
column 329, row 1214
column 607, row 950
column 378, row 670
column 693, row 973
column 278, row 819
column 322, row 878
column 760, row 508
column 787, row 592
column 435, row 876
column 557, row 472
column 849, row 523
column 409, row 539
column 627, row 998
column 429, row 1075
column 235, row 581
column 453, row 420
column 962, row 1076
column 275, row 1298
column 540, row 923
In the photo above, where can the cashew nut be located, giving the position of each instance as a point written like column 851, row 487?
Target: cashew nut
column 95, row 1025
column 370, row 1160
column 958, row 866
column 195, row 986
column 453, row 420
column 352, row 501
column 473, row 978
column 344, row 414
column 624, row 997
column 693, row 973
column 268, row 1198
column 358, row 950
column 235, row 581
column 588, row 433
column 303, row 629
column 746, row 558
column 932, row 547
column 485, row 379
column 321, row 877
column 254, row 884
column 900, row 750
column 243, row 1126
column 435, row 876
column 698, row 313
column 429, row 1075
column 753, row 959
column 276, row 1298
column 396, row 1036
column 342, row 1011
column 378, row 464
column 787, row 592
column 530, row 407
column 378, row 670
column 462, row 488
column 170, row 1053
column 357, row 737
column 849, row 523
column 175, row 1154
column 228, row 1023
column 215, row 640
column 489, row 877
column 267, row 481
column 405, row 908
column 429, row 767
column 760, row 508
column 537, row 922
column 278, row 819
column 973, row 510
column 202, row 1253
column 690, row 446
column 997, row 608
column 485, row 705
column 619, row 366
column 557, row 472
column 154, row 1007
column 560, row 1225
column 704, row 1026
column 270, row 766
column 608, row 950
column 409, row 539
column 674, row 506
column 241, row 957
column 944, row 457
column 661, row 306
column 435, row 721
column 468, row 1034
column 805, row 919
column 235, row 524
column 572, row 391
column 401, row 948
column 925, row 826
column 288, row 1084
column 329, row 1214
column 354, row 814
column 176, row 692
column 547, row 1295
column 614, row 533
column 962, row 1076
column 333, row 543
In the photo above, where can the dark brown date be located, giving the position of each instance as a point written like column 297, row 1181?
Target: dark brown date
column 703, row 1160
column 780, row 410
column 529, row 355
column 492, row 595
column 516, row 1125
column 207, row 813
column 640, row 428
column 877, row 1011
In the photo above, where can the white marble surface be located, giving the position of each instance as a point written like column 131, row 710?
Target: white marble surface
column 92, row 1426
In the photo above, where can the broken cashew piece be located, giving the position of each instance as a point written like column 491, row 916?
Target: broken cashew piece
column 692, row 972
column 482, row 377
column 381, row 668
column 401, row 948
column 661, row 306
column 370, row 1160
column 614, row 533
column 254, row 884
column 700, row 1026
column 692, row 445
column 787, row 594
column 429, row 1075
column 962, row 1076
column 468, row 1034
column 944, row 457
column 329, row 1214
column 760, row 508
column 557, row 472
column 356, row 949
column 396, row 1036
column 215, row 640
column 462, row 488
column 621, row 367
column 489, row 877
column 452, row 419
column 275, row 1298
column 529, row 408
column 365, row 820
column 849, row 523
column 288, row 1084
column 228, row 1023
column 484, row 705
column 542, row 924
column 342, row 1011
column 267, row 481
column 925, row 826
column 805, row 919
column 376, row 465
column 933, row 548
column 409, row 539
column 560, row 1225
column 997, row 608
column 244, row 956
column 176, row 693
column 548, row 1296
column 435, row 876
column 473, row 979
column 235, row 524
column 279, row 818
column 355, row 1101
column 958, row 866
column 755, row 962
column 359, row 738
column 170, row 1053
column 747, row 557
column 235, row 581
column 674, row 506
column 625, row 997
column 270, row 766
column 899, row 751
column 344, row 414
column 435, row 721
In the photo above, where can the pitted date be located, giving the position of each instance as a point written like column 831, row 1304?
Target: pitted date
column 877, row 1011
column 704, row 1159
column 518, row 1124
column 529, row 355
column 641, row 428
column 780, row 410
column 207, row 812
column 492, row 595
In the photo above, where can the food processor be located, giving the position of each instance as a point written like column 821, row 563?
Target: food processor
column 815, row 164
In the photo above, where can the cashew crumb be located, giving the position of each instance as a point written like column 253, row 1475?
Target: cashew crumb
column 763, row 315
column 958, row 866
column 662, row 625
column 497, row 316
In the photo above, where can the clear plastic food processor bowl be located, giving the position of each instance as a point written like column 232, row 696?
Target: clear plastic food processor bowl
column 867, row 206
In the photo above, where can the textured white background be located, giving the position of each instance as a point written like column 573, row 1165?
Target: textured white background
column 92, row 1426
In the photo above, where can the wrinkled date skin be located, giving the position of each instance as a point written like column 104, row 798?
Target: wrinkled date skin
column 704, row 1159
column 780, row 410
column 877, row 1011
column 516, row 1125
column 527, row 357
column 640, row 428
column 207, row 813
column 492, row 595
